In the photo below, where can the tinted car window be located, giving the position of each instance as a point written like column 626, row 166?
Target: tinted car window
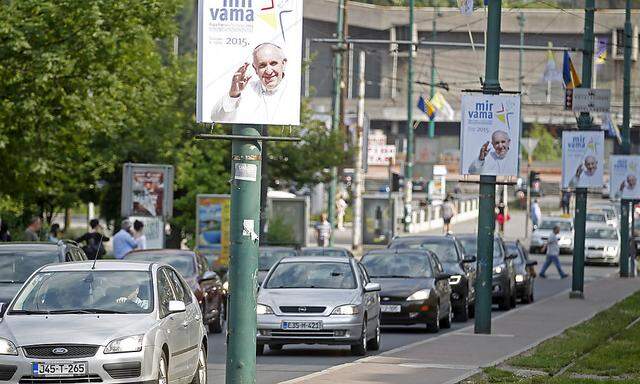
column 596, row 217
column 470, row 245
column 182, row 291
column 165, row 293
column 445, row 249
column 268, row 257
column 397, row 265
column 549, row 224
column 328, row 275
column 512, row 248
column 183, row 263
column 16, row 267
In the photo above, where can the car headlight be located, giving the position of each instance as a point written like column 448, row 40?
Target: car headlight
column 262, row 309
column 125, row 344
column 610, row 250
column 420, row 295
column 7, row 347
column 497, row 270
column 346, row 310
column 565, row 240
column 455, row 279
column 519, row 278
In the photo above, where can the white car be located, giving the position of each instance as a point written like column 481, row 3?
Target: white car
column 540, row 236
column 602, row 245
column 115, row 322
column 597, row 218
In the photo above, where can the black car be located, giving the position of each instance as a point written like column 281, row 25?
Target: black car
column 325, row 251
column 268, row 256
column 504, row 273
column 525, row 271
column 415, row 287
column 460, row 266
column 205, row 283
column 19, row 260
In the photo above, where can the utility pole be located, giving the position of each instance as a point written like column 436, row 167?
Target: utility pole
column 625, row 270
column 521, row 20
column 486, row 220
column 338, row 51
column 358, row 175
column 585, row 123
column 432, row 91
column 245, row 223
column 408, row 170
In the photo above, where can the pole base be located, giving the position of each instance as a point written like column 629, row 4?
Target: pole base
column 576, row 295
column 626, row 275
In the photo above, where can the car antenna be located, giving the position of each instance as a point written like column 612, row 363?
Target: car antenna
column 95, row 258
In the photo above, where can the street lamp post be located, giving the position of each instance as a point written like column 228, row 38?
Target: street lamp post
column 408, row 170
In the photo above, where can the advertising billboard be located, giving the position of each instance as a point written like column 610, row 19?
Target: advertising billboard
column 147, row 190
column 213, row 227
column 249, row 61
column 490, row 134
column 582, row 159
column 624, row 176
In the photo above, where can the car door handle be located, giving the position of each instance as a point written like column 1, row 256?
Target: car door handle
column 185, row 324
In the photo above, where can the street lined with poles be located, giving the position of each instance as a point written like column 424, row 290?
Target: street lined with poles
column 408, row 166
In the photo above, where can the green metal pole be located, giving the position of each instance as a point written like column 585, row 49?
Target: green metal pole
column 432, row 91
column 584, row 123
column 521, row 20
column 626, row 142
column 335, row 121
column 486, row 219
column 408, row 170
column 243, row 266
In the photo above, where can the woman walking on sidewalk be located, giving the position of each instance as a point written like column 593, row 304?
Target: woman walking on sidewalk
column 553, row 253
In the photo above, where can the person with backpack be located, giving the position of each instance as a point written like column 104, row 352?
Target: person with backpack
column 93, row 241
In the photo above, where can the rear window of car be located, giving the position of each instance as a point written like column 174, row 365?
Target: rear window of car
column 549, row 224
column 268, row 257
column 394, row 265
column 185, row 264
column 17, row 266
column 311, row 274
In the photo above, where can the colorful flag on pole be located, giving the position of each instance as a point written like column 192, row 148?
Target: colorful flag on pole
column 551, row 72
column 610, row 126
column 427, row 107
column 443, row 106
column 601, row 50
column 569, row 73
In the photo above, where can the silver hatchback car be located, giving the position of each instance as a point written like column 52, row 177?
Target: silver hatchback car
column 319, row 300
column 115, row 322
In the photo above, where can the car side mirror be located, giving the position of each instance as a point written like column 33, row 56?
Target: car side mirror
column 176, row 306
column 531, row 263
column 372, row 287
column 512, row 256
column 469, row 259
column 208, row 275
column 442, row 276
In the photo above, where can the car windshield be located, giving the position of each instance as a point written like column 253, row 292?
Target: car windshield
column 407, row 265
column 445, row 249
column 470, row 245
column 74, row 292
column 17, row 266
column 184, row 263
column 512, row 248
column 268, row 257
column 602, row 233
column 308, row 274
column 549, row 224
column 323, row 252
column 596, row 217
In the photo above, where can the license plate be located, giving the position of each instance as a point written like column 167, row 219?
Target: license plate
column 390, row 308
column 59, row 369
column 302, row 325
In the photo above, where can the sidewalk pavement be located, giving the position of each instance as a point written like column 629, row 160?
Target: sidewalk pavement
column 455, row 356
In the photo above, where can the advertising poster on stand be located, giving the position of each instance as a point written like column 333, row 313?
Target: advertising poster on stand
column 249, row 61
column 153, row 230
column 148, row 193
column 490, row 134
column 582, row 159
column 624, row 177
column 213, row 225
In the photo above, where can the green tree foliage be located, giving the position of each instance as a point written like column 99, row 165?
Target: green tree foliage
column 548, row 148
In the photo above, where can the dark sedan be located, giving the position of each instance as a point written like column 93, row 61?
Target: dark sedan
column 19, row 260
column 205, row 284
column 325, row 251
column 525, row 271
column 461, row 268
column 504, row 274
column 415, row 288
column 269, row 256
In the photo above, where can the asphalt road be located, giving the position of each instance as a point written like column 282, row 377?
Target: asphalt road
column 299, row 360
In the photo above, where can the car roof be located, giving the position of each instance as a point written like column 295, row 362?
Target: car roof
column 276, row 248
column 164, row 251
column 101, row 265
column 557, row 218
column 325, row 248
column 398, row 251
column 599, row 225
column 425, row 237
column 318, row 259
column 28, row 246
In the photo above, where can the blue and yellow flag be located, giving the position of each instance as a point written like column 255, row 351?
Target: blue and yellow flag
column 569, row 73
column 427, row 107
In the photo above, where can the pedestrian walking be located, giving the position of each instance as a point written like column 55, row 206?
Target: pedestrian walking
column 553, row 254
column 536, row 214
column 323, row 229
column 502, row 217
column 341, row 210
column 31, row 233
column 565, row 202
column 5, row 235
column 123, row 241
column 448, row 212
column 54, row 233
column 138, row 234
column 93, row 241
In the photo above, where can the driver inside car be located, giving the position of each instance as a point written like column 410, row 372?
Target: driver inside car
column 138, row 295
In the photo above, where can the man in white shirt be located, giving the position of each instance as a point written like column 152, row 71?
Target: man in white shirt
column 260, row 97
column 492, row 162
column 586, row 173
column 628, row 188
column 553, row 254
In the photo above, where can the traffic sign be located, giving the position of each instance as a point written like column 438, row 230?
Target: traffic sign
column 591, row 100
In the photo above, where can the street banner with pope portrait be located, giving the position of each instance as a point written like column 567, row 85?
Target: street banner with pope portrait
column 624, row 177
column 490, row 134
column 249, row 61
column 582, row 159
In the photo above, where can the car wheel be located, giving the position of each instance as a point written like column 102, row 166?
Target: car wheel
column 217, row 325
column 446, row 322
column 201, row 373
column 162, row 370
column 360, row 349
column 259, row 349
column 462, row 314
column 374, row 344
column 472, row 310
column 275, row 347
column 433, row 325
